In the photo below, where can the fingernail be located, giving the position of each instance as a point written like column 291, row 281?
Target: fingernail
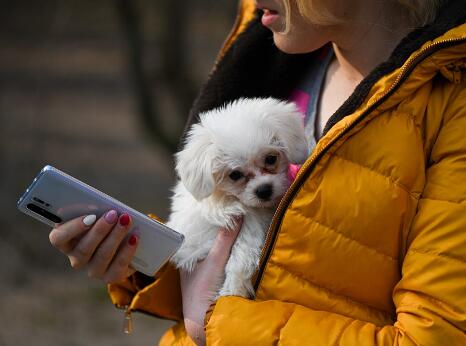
column 133, row 240
column 124, row 220
column 89, row 219
column 111, row 216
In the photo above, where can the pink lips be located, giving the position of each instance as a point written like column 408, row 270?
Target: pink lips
column 269, row 17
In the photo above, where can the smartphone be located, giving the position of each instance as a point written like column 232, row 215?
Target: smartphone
column 55, row 197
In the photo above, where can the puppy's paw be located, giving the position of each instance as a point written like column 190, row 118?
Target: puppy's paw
column 185, row 264
column 239, row 292
column 232, row 292
column 241, row 289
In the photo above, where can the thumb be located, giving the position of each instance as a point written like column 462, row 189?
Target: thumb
column 224, row 241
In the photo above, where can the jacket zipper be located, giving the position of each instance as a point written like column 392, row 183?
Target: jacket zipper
column 307, row 168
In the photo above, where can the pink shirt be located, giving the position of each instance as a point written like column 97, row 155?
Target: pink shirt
column 306, row 97
column 301, row 100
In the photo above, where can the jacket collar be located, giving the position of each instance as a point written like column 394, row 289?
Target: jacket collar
column 254, row 67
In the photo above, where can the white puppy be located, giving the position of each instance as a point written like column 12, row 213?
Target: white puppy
column 235, row 162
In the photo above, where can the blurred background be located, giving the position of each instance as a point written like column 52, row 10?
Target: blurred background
column 101, row 90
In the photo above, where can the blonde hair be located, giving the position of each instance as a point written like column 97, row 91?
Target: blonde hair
column 420, row 12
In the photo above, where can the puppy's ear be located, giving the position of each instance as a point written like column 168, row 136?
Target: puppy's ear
column 195, row 162
column 288, row 127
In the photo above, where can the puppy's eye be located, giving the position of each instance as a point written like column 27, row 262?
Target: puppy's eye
column 235, row 175
column 270, row 159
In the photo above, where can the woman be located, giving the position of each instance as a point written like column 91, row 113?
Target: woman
column 368, row 245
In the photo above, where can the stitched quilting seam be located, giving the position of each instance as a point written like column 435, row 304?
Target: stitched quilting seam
column 424, row 296
column 444, row 200
column 348, row 299
column 415, row 195
column 344, row 236
column 436, row 254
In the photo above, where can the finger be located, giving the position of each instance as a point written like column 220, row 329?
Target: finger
column 62, row 236
column 85, row 248
column 224, row 241
column 105, row 252
column 119, row 268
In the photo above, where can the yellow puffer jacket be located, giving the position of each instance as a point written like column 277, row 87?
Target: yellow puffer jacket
column 368, row 247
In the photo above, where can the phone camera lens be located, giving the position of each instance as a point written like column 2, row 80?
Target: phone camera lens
column 39, row 200
column 42, row 212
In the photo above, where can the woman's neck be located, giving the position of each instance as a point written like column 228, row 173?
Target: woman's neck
column 368, row 40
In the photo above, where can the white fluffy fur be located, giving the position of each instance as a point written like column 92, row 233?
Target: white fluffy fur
column 238, row 137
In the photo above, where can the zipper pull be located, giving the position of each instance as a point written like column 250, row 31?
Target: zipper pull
column 453, row 71
column 128, row 321
column 457, row 73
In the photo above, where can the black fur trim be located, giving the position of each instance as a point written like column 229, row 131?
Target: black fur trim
column 254, row 67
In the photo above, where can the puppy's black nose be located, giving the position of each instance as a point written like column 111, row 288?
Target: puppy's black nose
column 264, row 192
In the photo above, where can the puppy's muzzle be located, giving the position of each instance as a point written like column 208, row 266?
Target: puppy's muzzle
column 264, row 192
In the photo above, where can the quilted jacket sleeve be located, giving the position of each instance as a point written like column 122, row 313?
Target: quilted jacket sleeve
column 430, row 298
column 159, row 296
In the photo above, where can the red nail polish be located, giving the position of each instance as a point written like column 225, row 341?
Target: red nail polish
column 124, row 220
column 133, row 240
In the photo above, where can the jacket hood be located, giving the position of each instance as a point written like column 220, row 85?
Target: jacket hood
column 254, row 67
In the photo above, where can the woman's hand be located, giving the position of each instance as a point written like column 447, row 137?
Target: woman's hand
column 199, row 288
column 97, row 245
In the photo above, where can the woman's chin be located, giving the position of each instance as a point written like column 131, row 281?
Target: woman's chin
column 287, row 45
column 290, row 45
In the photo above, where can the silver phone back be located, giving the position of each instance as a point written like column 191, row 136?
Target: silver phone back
column 66, row 197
